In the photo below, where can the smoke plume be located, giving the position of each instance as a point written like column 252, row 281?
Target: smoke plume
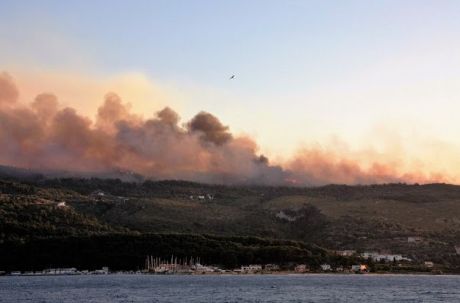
column 44, row 135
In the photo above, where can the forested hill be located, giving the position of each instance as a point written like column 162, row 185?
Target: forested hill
column 375, row 217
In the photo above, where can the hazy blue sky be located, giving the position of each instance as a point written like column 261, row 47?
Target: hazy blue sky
column 285, row 45
column 306, row 71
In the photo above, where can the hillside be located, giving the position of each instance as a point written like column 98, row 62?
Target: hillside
column 363, row 218
column 128, row 251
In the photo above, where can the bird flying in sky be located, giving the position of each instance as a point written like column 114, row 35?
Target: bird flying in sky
column 232, row 77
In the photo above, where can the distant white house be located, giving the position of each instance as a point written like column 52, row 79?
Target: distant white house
column 98, row 195
column 98, row 192
column 345, row 253
column 379, row 257
column 282, row 215
column 61, row 205
column 414, row 239
column 369, row 254
column 202, row 197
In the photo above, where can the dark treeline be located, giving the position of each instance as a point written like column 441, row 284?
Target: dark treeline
column 176, row 188
column 172, row 188
column 128, row 252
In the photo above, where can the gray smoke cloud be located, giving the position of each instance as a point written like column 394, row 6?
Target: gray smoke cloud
column 44, row 135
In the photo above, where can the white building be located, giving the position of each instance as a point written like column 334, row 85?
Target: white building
column 369, row 255
column 325, row 267
column 387, row 258
column 251, row 268
column 414, row 239
column 60, row 271
column 301, row 268
column 271, row 267
column 345, row 253
column 359, row 268
column 378, row 257
column 102, row 271
column 61, row 205
column 203, row 269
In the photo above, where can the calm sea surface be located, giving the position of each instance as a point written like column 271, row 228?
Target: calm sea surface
column 253, row 288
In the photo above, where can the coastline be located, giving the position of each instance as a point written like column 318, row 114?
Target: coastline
column 280, row 273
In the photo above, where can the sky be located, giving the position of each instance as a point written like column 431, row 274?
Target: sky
column 349, row 76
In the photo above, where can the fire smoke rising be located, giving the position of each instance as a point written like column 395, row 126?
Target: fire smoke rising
column 45, row 136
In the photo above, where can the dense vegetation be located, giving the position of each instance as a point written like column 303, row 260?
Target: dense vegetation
column 128, row 251
column 121, row 216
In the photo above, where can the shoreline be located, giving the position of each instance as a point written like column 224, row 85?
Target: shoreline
column 239, row 274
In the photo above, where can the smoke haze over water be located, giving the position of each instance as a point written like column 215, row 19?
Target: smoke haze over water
column 43, row 135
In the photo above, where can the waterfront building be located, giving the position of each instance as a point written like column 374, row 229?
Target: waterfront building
column 301, row 268
column 325, row 267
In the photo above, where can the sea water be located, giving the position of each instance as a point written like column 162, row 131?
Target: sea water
column 228, row 288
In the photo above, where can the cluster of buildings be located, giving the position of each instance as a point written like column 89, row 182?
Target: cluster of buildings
column 383, row 257
column 99, row 195
column 357, row 268
column 174, row 265
column 202, row 197
column 61, row 272
column 299, row 268
column 374, row 256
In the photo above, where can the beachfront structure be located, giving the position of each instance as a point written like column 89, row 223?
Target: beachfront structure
column 102, row 271
column 203, row 269
column 271, row 267
column 60, row 271
column 359, row 268
column 251, row 268
column 301, row 268
column 326, row 267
